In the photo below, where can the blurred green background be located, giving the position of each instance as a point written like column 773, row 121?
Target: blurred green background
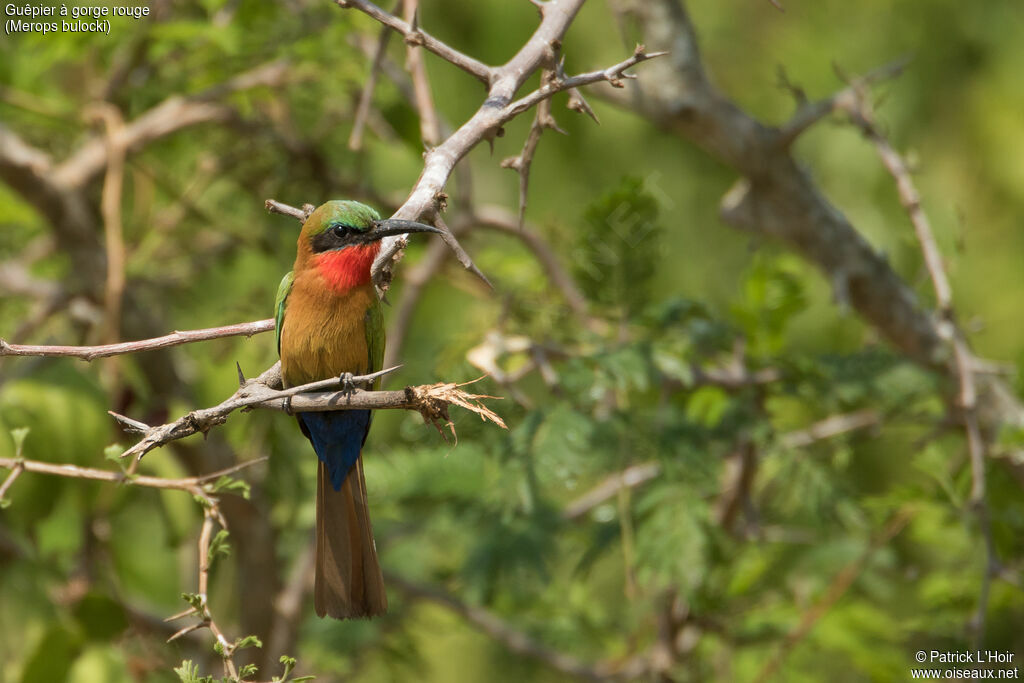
column 87, row 570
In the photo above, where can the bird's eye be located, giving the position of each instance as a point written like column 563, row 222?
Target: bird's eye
column 341, row 230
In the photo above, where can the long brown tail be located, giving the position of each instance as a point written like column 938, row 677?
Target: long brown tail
column 348, row 578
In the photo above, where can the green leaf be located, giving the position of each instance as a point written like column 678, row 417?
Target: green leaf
column 247, row 641
column 195, row 601
column 618, row 243
column 19, row 435
column 100, row 618
column 707, row 405
column 230, row 485
column 219, row 545
column 288, row 663
column 113, row 453
column 52, row 658
column 188, row 672
column 673, row 367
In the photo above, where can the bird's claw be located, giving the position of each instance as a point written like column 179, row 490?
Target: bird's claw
column 288, row 405
column 348, row 384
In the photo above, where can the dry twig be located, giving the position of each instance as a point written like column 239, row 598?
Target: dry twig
column 861, row 114
column 431, row 401
column 198, row 486
column 355, row 138
column 88, row 353
column 430, row 124
column 171, row 115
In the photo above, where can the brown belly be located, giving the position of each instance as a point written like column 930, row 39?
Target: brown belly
column 324, row 334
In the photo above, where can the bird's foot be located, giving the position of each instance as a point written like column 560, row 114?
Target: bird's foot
column 288, row 405
column 348, row 385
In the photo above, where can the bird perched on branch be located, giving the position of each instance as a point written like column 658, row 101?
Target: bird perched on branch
column 330, row 324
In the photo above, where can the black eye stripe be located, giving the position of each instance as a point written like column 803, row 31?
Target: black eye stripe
column 336, row 236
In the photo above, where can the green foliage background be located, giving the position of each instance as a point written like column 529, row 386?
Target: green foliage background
column 83, row 563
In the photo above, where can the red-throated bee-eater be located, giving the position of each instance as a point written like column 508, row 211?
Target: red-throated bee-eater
column 330, row 324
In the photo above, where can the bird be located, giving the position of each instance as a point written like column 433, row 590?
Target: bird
column 329, row 323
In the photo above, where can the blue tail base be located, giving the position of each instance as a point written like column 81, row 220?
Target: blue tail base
column 337, row 437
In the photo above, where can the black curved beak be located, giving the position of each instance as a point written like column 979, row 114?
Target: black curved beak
column 396, row 226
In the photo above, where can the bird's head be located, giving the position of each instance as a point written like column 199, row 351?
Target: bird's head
column 341, row 239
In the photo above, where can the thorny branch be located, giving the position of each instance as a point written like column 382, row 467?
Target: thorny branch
column 416, row 36
column 809, row 113
column 427, row 198
column 431, row 401
column 861, row 114
column 522, row 163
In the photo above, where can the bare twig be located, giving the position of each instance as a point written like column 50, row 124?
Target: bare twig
column 496, row 344
column 861, row 114
column 729, row 378
column 737, row 481
column 521, row 164
column 460, row 253
column 17, row 466
column 857, row 104
column 355, row 138
column 431, row 401
column 415, row 35
column 89, row 353
column 580, row 105
column 809, row 113
column 414, row 281
column 631, row 477
column 613, row 75
column 398, row 77
column 274, row 206
column 430, row 125
column 830, row 427
column 211, row 517
column 171, row 115
column 113, row 230
column 497, row 218
column 190, row 484
column 30, row 172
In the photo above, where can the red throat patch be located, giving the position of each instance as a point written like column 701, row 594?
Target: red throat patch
column 347, row 268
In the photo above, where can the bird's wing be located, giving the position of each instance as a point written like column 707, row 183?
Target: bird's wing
column 375, row 337
column 283, row 290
